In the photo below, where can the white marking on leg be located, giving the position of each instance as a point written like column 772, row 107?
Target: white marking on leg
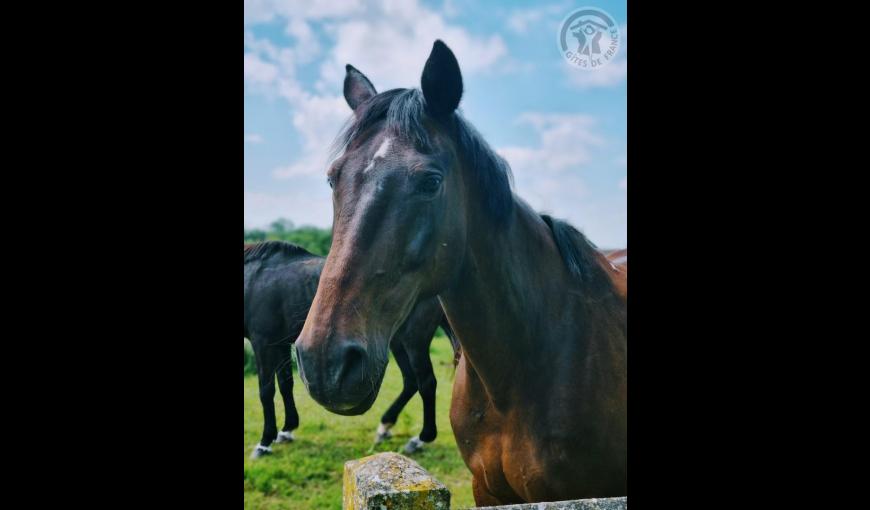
column 414, row 445
column 383, row 432
column 260, row 450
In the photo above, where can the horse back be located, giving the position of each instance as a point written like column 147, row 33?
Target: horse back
column 278, row 295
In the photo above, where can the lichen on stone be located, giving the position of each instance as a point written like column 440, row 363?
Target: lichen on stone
column 390, row 481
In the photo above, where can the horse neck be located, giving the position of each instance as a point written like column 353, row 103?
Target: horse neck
column 491, row 307
column 509, row 303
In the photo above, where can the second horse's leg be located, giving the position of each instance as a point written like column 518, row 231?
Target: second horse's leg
column 285, row 384
column 409, row 388
column 266, row 364
column 421, row 363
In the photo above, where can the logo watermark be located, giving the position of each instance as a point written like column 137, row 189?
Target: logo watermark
column 589, row 38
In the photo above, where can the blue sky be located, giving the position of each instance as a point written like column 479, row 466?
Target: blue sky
column 562, row 129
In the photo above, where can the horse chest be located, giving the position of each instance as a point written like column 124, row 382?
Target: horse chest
column 516, row 455
column 491, row 443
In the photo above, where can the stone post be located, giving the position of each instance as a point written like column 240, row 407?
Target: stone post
column 389, row 481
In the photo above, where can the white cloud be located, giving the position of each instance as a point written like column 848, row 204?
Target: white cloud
column 520, row 20
column 389, row 40
column 565, row 143
column 307, row 46
column 549, row 175
column 272, row 70
column 610, row 75
column 258, row 71
column 623, row 184
column 260, row 11
column 253, row 138
column 390, row 45
column 317, row 119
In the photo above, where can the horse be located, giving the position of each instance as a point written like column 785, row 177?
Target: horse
column 423, row 207
column 280, row 281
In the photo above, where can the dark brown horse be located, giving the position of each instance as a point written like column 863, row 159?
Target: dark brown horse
column 423, row 207
column 280, row 282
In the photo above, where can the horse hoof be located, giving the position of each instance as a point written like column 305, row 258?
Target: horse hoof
column 285, row 437
column 383, row 433
column 261, row 451
column 413, row 445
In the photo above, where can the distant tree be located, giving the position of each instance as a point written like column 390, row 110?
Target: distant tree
column 255, row 236
column 281, row 226
column 314, row 239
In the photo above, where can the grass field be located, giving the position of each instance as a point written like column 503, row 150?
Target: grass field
column 307, row 473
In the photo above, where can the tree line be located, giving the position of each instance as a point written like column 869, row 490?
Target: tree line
column 316, row 240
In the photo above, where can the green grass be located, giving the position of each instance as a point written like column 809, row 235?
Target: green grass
column 308, row 472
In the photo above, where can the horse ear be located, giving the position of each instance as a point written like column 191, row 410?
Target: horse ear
column 441, row 81
column 357, row 88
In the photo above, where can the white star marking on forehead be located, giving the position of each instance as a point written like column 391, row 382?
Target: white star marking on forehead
column 380, row 154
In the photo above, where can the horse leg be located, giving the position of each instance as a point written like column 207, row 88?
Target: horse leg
column 409, row 388
column 285, row 384
column 266, row 365
column 421, row 363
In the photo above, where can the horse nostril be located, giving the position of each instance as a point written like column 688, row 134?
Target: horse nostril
column 352, row 362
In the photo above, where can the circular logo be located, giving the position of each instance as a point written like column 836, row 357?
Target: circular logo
column 589, row 38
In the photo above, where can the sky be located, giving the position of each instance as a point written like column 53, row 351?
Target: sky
column 561, row 129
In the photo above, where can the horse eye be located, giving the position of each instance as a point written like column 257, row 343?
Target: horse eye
column 431, row 183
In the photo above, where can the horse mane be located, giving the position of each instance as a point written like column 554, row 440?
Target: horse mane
column 580, row 255
column 265, row 249
column 403, row 112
